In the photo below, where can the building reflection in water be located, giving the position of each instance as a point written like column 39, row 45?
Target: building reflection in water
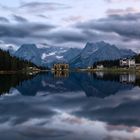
column 128, row 78
column 100, row 74
column 61, row 70
column 61, row 74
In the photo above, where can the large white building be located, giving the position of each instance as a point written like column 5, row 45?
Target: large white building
column 127, row 63
column 100, row 66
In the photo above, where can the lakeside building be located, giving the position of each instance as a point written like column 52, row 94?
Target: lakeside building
column 60, row 67
column 127, row 63
column 100, row 66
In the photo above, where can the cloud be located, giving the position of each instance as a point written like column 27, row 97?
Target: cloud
column 120, row 27
column 121, row 30
column 43, row 16
column 19, row 18
column 112, row 1
column 73, row 18
column 22, row 32
column 68, row 35
column 123, row 25
column 3, row 19
column 22, row 29
column 29, row 9
column 41, row 7
column 122, row 11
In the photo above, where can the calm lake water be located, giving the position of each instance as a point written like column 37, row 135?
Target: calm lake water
column 75, row 106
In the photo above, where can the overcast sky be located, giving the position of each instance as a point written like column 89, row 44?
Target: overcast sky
column 71, row 23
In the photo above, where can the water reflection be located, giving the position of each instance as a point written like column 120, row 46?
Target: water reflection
column 7, row 81
column 93, row 85
column 61, row 74
column 128, row 78
column 79, row 106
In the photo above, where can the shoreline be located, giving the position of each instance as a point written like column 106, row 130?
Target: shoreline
column 22, row 72
column 105, row 70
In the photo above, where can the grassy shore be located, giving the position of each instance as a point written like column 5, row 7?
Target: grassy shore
column 105, row 70
column 110, row 70
column 22, row 72
column 115, row 70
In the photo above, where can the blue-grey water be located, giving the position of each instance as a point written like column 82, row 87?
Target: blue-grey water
column 71, row 106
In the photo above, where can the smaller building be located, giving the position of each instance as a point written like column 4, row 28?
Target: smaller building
column 127, row 63
column 100, row 66
column 61, row 67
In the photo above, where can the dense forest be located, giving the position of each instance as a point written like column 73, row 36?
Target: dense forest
column 107, row 63
column 12, row 63
column 137, row 58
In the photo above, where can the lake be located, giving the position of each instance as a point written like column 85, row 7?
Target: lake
column 70, row 106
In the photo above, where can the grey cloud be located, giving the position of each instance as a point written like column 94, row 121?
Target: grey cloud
column 19, row 18
column 123, row 25
column 112, row 1
column 126, row 17
column 20, row 32
column 67, row 36
column 3, row 19
column 43, row 16
column 35, row 8
column 43, row 6
column 122, row 11
column 23, row 30
column 76, row 36
column 121, row 30
column 73, row 18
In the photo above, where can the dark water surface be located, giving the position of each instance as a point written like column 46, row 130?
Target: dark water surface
column 75, row 106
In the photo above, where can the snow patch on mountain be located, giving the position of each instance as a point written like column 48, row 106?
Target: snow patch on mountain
column 59, row 57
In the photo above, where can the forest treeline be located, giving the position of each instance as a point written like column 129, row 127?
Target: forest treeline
column 12, row 63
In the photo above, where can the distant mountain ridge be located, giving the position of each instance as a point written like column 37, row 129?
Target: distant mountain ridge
column 46, row 56
column 76, row 57
column 94, row 52
column 29, row 52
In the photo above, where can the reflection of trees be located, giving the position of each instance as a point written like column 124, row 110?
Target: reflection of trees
column 9, row 81
column 137, row 83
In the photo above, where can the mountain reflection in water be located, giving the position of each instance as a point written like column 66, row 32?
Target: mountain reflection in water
column 91, row 84
column 78, row 106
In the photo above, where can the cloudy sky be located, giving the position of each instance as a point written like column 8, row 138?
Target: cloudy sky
column 70, row 23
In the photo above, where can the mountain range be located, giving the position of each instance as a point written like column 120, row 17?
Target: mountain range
column 99, row 51
column 46, row 55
